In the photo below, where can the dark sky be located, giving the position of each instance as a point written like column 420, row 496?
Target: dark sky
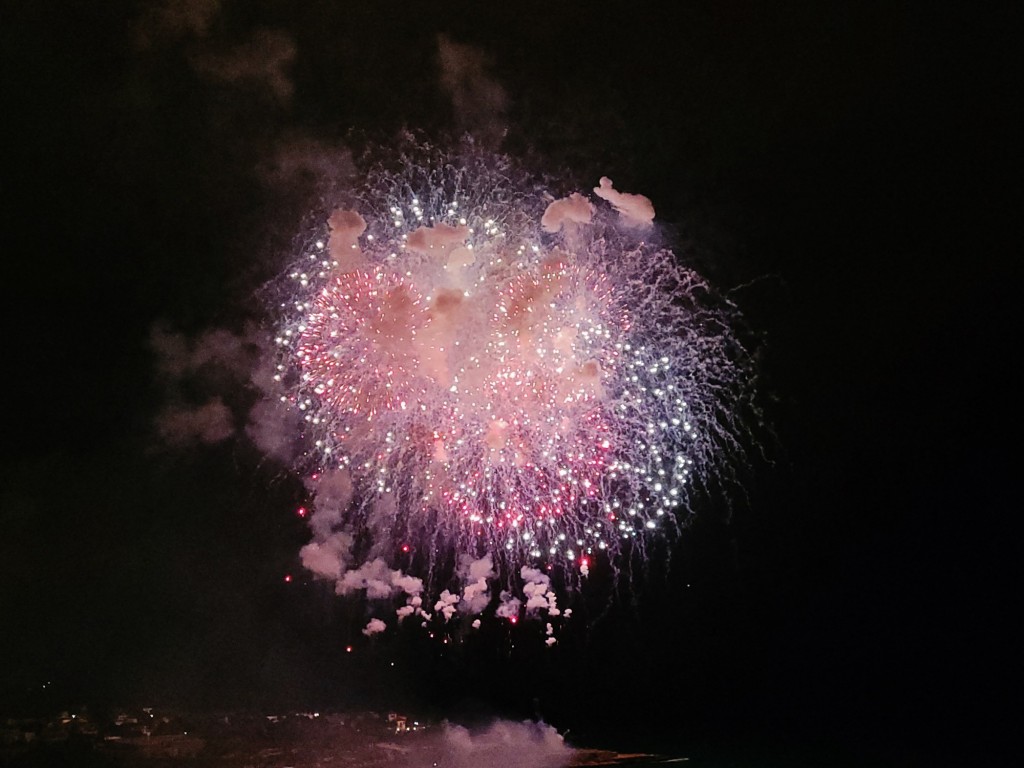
column 855, row 169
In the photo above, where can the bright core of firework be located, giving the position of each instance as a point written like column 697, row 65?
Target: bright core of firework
column 483, row 369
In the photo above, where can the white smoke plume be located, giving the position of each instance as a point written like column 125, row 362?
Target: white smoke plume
column 575, row 209
column 378, row 581
column 272, row 428
column 502, row 744
column 415, row 605
column 333, row 494
column 328, row 558
column 329, row 555
column 446, row 605
column 375, row 626
column 508, row 606
column 475, row 573
column 634, row 210
column 476, row 596
column 343, row 242
column 538, row 593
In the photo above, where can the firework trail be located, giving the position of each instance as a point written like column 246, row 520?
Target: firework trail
column 495, row 382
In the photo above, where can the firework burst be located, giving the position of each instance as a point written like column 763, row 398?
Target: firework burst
column 490, row 373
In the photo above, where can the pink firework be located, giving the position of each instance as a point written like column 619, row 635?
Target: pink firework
column 368, row 317
column 485, row 369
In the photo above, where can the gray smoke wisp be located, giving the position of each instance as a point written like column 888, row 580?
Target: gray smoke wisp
column 502, row 744
column 202, row 365
column 478, row 100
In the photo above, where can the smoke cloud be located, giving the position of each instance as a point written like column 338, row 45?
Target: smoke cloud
column 502, row 744
column 378, row 581
column 329, row 557
column 508, row 606
column 180, row 426
column 479, row 101
column 475, row 573
column 260, row 64
column 537, row 589
column 173, row 20
column 575, row 208
column 272, row 428
column 446, row 605
column 178, row 356
column 634, row 210
column 375, row 626
column 304, row 166
column 205, row 363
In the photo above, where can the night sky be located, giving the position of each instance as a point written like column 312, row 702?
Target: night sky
column 849, row 174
